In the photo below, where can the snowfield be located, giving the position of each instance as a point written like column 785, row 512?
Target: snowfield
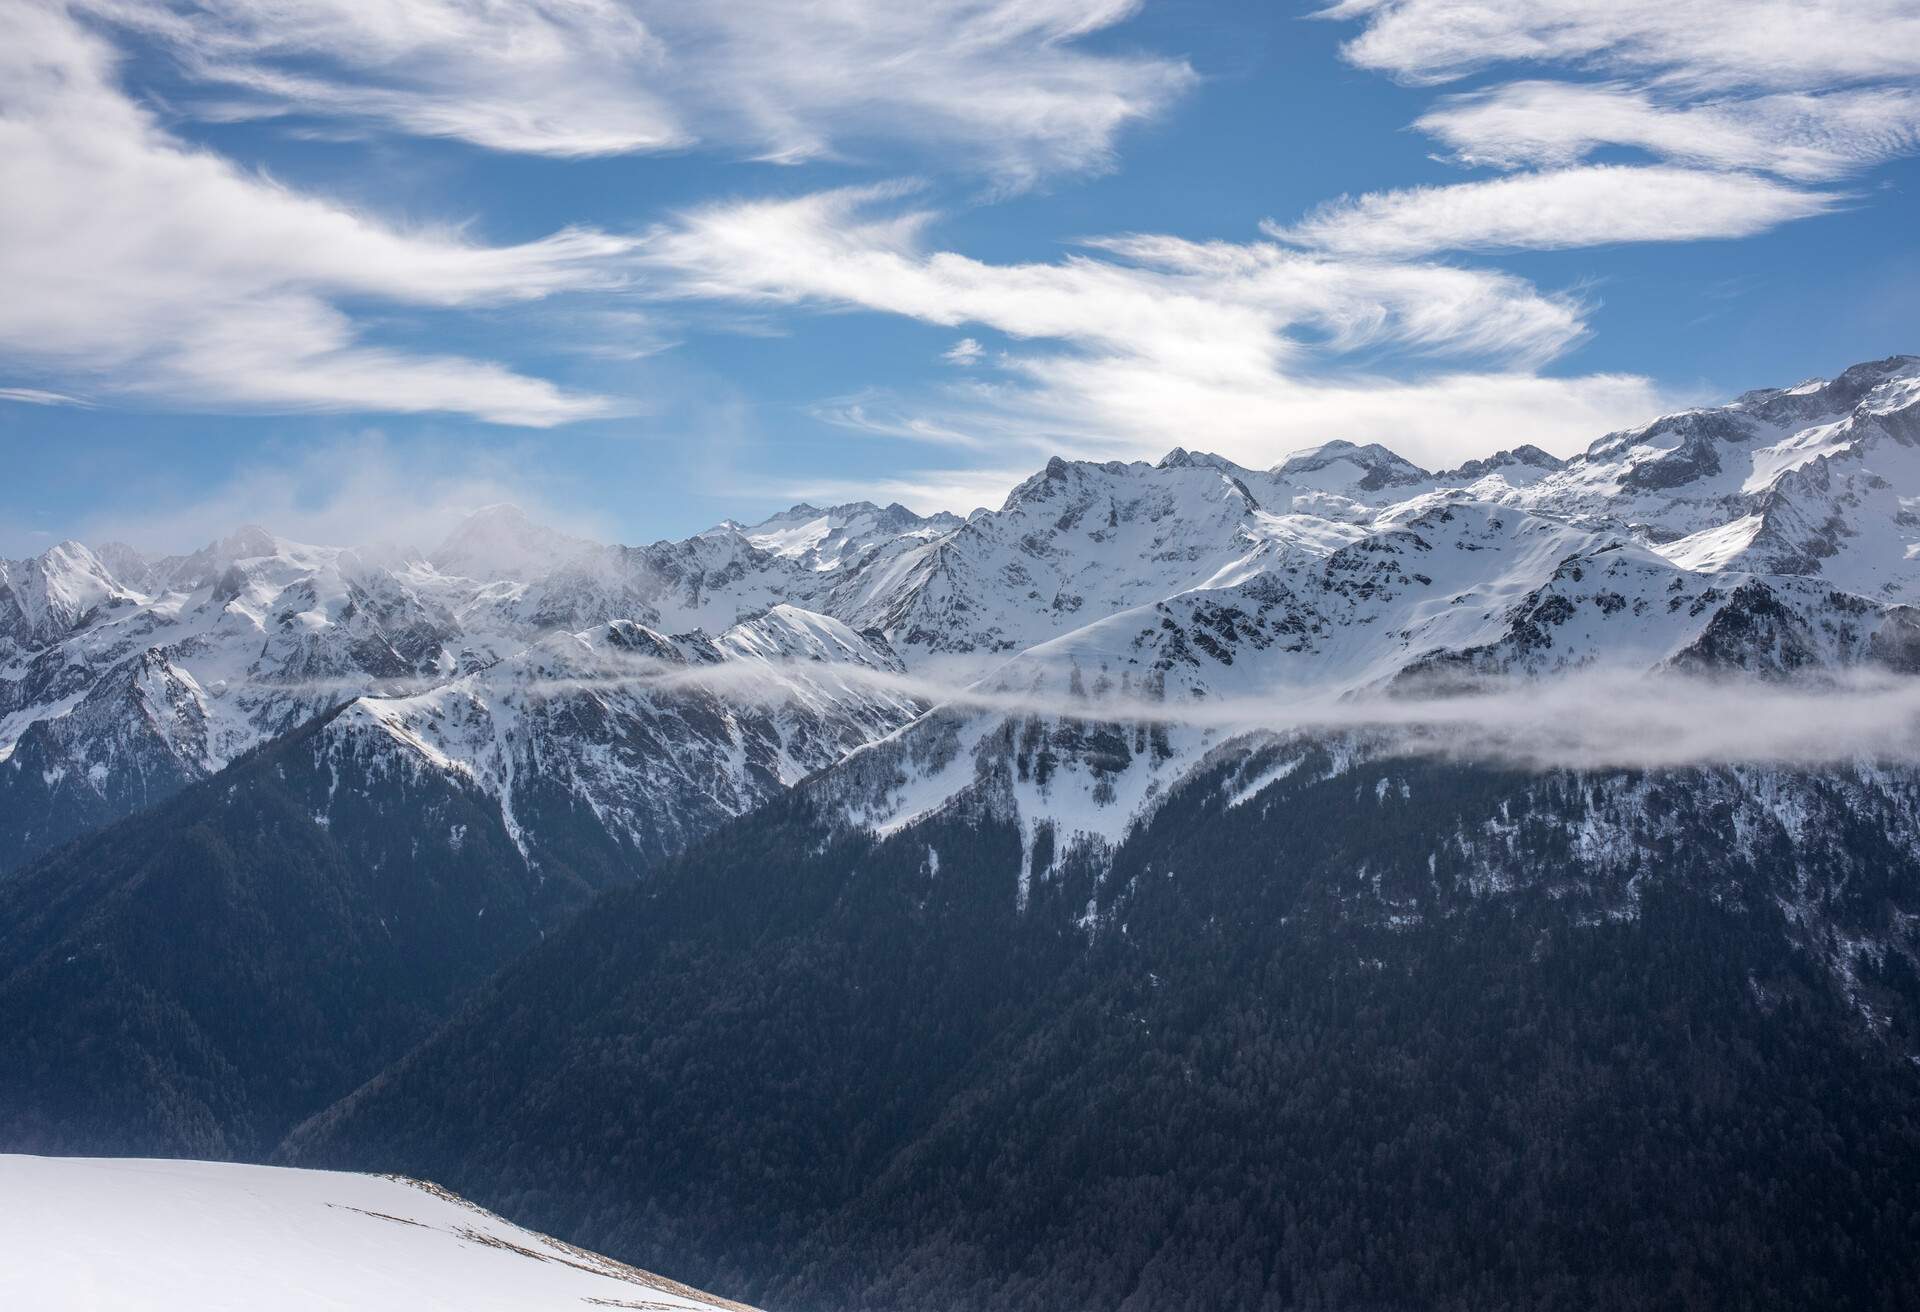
column 142, row 1235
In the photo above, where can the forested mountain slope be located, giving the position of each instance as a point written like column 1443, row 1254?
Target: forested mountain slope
column 1328, row 1031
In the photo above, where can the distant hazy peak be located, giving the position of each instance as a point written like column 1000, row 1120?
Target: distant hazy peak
column 502, row 542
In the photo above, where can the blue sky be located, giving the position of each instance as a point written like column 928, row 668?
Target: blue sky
column 642, row 266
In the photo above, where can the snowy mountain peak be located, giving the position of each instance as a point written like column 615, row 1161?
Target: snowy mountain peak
column 1339, row 464
column 826, row 538
column 1816, row 479
column 44, row 598
column 1521, row 462
column 1181, row 458
column 129, row 566
column 199, row 569
column 1875, row 386
column 1041, row 485
column 790, row 633
column 1831, row 395
column 69, row 562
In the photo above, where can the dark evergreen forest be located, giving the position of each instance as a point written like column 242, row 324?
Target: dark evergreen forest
column 193, row 980
column 813, row 1070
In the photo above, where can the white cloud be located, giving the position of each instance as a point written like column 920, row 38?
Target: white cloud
column 1102, row 406
column 1807, row 138
column 1157, row 341
column 1725, row 91
column 1208, row 309
column 1588, row 205
column 1802, row 44
column 964, row 352
column 1004, row 81
column 164, row 271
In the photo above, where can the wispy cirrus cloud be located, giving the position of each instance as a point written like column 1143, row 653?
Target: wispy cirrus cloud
column 39, row 396
column 1704, row 44
column 568, row 78
column 1342, row 323
column 158, row 270
column 1007, row 83
column 1805, row 137
column 1589, row 205
column 964, row 352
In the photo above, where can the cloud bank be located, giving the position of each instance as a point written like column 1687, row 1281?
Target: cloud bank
column 1587, row 721
column 353, row 491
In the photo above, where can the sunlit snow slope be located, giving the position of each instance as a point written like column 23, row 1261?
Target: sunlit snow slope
column 144, row 1235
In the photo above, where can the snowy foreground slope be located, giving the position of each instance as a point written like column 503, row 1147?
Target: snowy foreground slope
column 147, row 1235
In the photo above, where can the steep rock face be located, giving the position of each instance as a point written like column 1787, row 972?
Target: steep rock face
column 1072, row 544
column 839, row 538
column 132, row 739
column 1349, row 469
column 1521, row 464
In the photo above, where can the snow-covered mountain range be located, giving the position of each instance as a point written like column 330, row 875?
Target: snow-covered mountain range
column 123, row 678
column 1774, row 538
column 661, row 689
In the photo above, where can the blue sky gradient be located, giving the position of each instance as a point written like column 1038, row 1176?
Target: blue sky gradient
column 731, row 386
